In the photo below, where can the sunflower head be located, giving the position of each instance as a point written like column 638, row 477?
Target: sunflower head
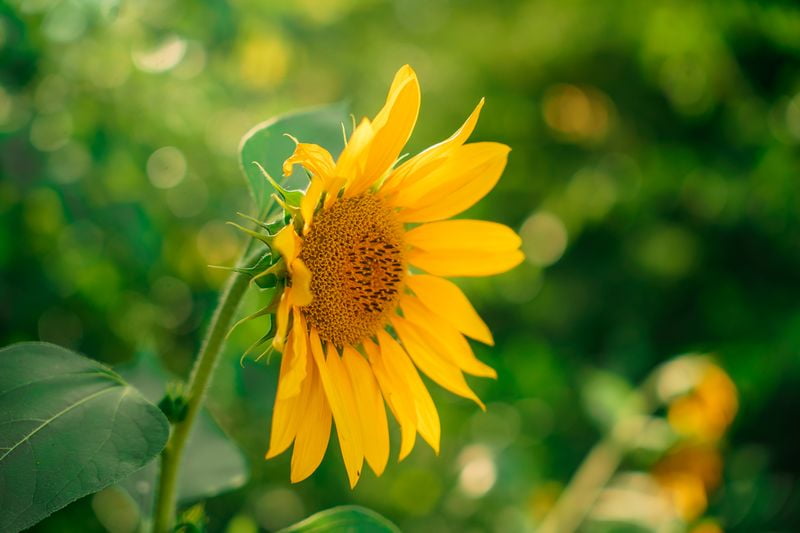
column 354, row 251
column 363, row 302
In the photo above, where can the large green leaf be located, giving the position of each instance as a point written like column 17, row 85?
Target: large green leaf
column 69, row 427
column 267, row 144
column 344, row 519
column 211, row 463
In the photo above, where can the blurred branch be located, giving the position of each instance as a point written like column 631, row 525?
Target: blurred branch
column 601, row 463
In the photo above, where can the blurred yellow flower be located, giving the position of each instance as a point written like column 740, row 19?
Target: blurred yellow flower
column 688, row 475
column 705, row 413
column 707, row 526
column 264, row 61
column 348, row 254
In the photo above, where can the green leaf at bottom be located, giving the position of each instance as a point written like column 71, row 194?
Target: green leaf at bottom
column 69, row 427
column 344, row 519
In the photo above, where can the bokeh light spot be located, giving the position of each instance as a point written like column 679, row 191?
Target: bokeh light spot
column 217, row 243
column 478, row 471
column 65, row 22
column 174, row 300
column 277, row 508
column 264, row 61
column 43, row 211
column 793, row 117
column 6, row 105
column 69, row 163
column 188, row 198
column 193, row 63
column 166, row 167
column 499, row 426
column 51, row 132
column 685, row 81
column 591, row 193
column 667, row 251
column 51, row 94
column 577, row 114
column 116, row 510
column 544, row 238
column 416, row 491
column 163, row 57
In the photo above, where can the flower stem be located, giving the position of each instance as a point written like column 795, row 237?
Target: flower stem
column 199, row 380
column 585, row 486
column 600, row 464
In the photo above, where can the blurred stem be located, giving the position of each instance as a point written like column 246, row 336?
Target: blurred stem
column 600, row 463
column 201, row 375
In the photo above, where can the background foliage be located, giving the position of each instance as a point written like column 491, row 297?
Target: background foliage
column 653, row 177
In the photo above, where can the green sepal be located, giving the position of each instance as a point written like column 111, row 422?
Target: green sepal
column 271, row 227
column 266, row 239
column 268, row 278
column 175, row 403
column 292, row 211
column 267, row 337
column 192, row 520
column 263, row 263
column 291, row 198
column 267, row 281
column 269, row 309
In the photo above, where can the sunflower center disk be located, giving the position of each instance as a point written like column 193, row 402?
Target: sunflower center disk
column 354, row 250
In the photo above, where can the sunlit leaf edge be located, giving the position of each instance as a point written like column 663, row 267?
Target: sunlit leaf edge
column 339, row 518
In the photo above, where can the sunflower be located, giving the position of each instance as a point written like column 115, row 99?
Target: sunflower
column 366, row 303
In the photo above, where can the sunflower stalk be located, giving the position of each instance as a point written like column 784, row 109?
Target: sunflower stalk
column 200, row 378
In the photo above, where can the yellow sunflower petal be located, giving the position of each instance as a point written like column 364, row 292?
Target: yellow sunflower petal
column 313, row 429
column 287, row 243
column 314, row 158
column 286, row 409
column 469, row 173
column 340, row 398
column 392, row 127
column 454, row 263
column 301, row 284
column 296, row 354
column 400, row 368
column 422, row 164
column 310, row 200
column 397, row 396
column 282, row 319
column 463, row 165
column 438, row 333
column 435, row 365
column 285, row 418
column 372, row 413
column 354, row 460
column 478, row 235
column 350, row 164
column 444, row 298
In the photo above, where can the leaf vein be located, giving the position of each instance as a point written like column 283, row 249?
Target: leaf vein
column 64, row 411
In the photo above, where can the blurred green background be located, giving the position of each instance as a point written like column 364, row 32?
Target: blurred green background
column 653, row 178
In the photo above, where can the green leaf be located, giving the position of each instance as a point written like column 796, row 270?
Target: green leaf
column 69, row 427
column 344, row 519
column 211, row 463
column 267, row 145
